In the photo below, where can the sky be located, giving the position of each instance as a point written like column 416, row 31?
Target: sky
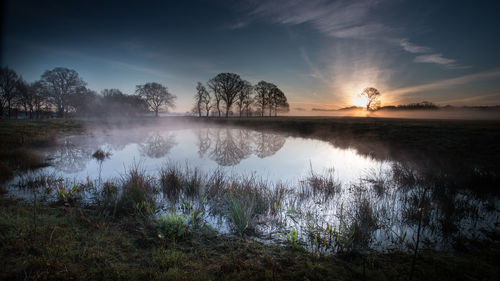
column 320, row 53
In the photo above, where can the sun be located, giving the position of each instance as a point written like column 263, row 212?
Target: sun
column 359, row 100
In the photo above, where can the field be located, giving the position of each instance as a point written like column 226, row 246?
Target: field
column 120, row 237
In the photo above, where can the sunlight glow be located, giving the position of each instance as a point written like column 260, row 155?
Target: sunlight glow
column 359, row 100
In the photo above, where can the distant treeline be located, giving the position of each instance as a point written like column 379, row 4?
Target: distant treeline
column 228, row 94
column 62, row 92
column 425, row 105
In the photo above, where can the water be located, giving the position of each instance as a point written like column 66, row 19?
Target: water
column 271, row 156
column 334, row 198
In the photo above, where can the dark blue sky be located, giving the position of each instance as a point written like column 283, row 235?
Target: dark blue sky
column 321, row 53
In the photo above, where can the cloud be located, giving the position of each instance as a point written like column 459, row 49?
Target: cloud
column 445, row 83
column 426, row 56
column 438, row 59
column 489, row 99
column 237, row 25
column 412, row 48
column 342, row 19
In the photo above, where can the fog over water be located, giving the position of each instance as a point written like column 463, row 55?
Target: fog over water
column 301, row 184
column 239, row 151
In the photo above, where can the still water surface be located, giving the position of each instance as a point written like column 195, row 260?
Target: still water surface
column 366, row 204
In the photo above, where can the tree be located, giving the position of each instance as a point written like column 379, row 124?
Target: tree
column 40, row 97
column 214, row 86
column 207, row 102
column 62, row 83
column 200, row 97
column 24, row 97
column 227, row 86
column 8, row 81
column 115, row 102
column 278, row 101
column 244, row 97
column 156, row 96
column 372, row 97
column 262, row 95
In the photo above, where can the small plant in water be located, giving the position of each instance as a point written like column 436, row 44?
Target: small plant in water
column 172, row 227
column 291, row 238
column 240, row 213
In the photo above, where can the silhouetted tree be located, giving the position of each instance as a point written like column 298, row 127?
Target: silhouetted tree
column 262, row 94
column 62, row 83
column 278, row 101
column 117, row 103
column 156, row 96
column 40, row 97
column 24, row 97
column 86, row 102
column 214, row 87
column 373, row 98
column 8, row 81
column 244, row 97
column 201, row 97
column 227, row 86
column 207, row 102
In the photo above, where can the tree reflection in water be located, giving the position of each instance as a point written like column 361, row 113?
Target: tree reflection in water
column 157, row 145
column 72, row 154
column 228, row 146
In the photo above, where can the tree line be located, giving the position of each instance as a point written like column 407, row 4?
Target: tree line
column 61, row 91
column 228, row 93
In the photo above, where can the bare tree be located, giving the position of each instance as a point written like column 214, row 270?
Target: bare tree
column 227, row 86
column 244, row 97
column 207, row 102
column 40, row 97
column 214, row 87
column 156, row 96
column 24, row 97
column 62, row 83
column 199, row 98
column 8, row 81
column 278, row 101
column 372, row 96
column 262, row 95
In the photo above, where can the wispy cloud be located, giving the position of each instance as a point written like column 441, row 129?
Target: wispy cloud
column 413, row 48
column 445, row 83
column 484, row 99
column 439, row 59
column 343, row 19
column 315, row 72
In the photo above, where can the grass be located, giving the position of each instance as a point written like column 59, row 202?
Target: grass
column 118, row 236
column 79, row 245
column 20, row 138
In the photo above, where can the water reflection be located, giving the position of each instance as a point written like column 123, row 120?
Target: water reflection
column 335, row 199
column 224, row 146
column 229, row 146
column 157, row 145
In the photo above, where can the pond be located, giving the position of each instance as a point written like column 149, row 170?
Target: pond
column 296, row 190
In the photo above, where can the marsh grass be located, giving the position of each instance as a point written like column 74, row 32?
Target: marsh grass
column 137, row 193
column 240, row 213
column 325, row 184
column 176, row 181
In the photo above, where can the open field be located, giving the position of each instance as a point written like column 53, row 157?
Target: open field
column 125, row 236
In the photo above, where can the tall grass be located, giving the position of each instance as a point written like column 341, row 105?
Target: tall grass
column 240, row 213
column 137, row 194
